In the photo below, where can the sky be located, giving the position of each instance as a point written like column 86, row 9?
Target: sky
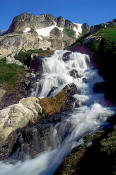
column 78, row 11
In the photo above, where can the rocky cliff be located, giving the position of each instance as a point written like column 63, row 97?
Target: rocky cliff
column 39, row 32
column 103, row 25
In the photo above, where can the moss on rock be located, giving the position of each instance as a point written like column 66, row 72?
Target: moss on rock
column 53, row 105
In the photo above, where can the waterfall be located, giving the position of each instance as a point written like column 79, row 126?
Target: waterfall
column 69, row 132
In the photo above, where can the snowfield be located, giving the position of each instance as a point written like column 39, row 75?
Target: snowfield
column 45, row 32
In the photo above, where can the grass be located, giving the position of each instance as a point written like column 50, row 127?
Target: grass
column 10, row 74
column 108, row 33
column 107, row 43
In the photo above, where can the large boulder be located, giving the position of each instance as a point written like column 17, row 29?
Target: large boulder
column 13, row 119
column 18, row 115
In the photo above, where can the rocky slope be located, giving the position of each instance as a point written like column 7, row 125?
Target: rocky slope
column 34, row 32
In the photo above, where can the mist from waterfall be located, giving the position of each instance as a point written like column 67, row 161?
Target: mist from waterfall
column 69, row 132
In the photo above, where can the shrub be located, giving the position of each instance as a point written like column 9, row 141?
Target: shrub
column 24, row 57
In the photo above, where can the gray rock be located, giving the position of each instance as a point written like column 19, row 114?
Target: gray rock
column 2, row 93
column 25, row 20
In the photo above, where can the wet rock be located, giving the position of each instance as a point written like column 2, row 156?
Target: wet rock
column 33, row 140
column 51, row 91
column 36, row 62
column 71, row 89
column 74, row 73
column 71, row 101
column 84, row 80
column 66, row 56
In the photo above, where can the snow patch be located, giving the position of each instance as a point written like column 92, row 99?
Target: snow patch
column 79, row 30
column 45, row 32
column 27, row 29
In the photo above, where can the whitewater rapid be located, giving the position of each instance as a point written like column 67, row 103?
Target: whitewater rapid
column 88, row 117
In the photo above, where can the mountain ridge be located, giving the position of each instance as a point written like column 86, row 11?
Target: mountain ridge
column 39, row 32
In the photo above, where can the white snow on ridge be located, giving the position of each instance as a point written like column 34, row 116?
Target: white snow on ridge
column 27, row 29
column 45, row 32
column 79, row 30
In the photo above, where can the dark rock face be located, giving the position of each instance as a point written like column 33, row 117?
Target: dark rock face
column 74, row 73
column 60, row 21
column 107, row 87
column 103, row 25
column 85, row 28
column 36, row 62
column 69, row 24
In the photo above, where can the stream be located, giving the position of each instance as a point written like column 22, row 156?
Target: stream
column 90, row 115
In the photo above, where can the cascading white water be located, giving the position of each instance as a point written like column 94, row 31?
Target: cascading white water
column 70, row 131
column 56, row 72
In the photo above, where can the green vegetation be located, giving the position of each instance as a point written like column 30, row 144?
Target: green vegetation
column 24, row 56
column 80, row 40
column 10, row 74
column 105, row 41
column 70, row 32
column 56, row 31
column 108, row 33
